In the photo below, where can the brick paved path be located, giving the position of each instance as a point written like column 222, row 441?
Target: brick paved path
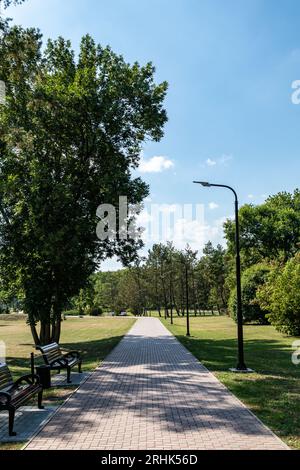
column 151, row 393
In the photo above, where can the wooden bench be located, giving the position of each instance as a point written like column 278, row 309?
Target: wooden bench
column 15, row 394
column 57, row 360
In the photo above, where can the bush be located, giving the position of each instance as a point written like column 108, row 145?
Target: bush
column 13, row 316
column 280, row 296
column 72, row 312
column 96, row 311
column 4, row 309
column 252, row 279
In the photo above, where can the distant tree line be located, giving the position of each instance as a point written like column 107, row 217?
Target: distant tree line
column 168, row 280
column 171, row 280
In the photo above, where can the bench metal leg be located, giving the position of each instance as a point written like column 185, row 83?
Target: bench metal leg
column 40, row 399
column 79, row 367
column 69, row 375
column 11, row 419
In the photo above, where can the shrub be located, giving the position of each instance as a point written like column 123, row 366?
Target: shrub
column 72, row 312
column 252, row 279
column 280, row 296
column 13, row 316
column 96, row 311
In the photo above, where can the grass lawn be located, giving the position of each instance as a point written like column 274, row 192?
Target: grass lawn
column 273, row 391
column 95, row 337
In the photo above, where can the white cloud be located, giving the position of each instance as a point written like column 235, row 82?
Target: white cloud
column 155, row 164
column 181, row 230
column 167, row 208
column 221, row 161
column 257, row 198
column 197, row 233
column 224, row 159
column 213, row 205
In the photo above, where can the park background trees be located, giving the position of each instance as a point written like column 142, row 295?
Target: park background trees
column 270, row 237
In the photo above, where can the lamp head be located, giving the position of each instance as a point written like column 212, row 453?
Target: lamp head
column 203, row 183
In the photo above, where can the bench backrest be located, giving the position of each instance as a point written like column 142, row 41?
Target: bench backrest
column 6, row 379
column 50, row 352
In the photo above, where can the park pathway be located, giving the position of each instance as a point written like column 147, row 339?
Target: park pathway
column 151, row 393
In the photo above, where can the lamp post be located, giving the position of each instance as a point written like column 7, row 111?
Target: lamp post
column 162, row 277
column 187, row 301
column 171, row 298
column 241, row 366
column 185, row 266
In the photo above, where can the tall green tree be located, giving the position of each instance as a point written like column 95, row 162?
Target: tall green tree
column 3, row 5
column 280, row 297
column 216, row 270
column 71, row 133
column 268, row 231
column 253, row 279
column 7, row 3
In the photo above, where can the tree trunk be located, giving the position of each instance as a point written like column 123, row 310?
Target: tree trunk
column 35, row 335
column 165, row 297
column 56, row 329
column 175, row 305
column 195, row 295
column 45, row 332
column 223, row 298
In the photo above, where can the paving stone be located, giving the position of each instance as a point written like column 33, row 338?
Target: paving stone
column 150, row 392
column 28, row 420
column 60, row 380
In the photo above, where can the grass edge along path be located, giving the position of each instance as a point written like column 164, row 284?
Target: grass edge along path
column 272, row 392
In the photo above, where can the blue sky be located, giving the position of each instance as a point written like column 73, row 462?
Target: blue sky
column 230, row 66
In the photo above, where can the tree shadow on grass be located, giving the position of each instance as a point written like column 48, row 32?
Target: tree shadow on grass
column 272, row 392
column 92, row 352
column 263, row 355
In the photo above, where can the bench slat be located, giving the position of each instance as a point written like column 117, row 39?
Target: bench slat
column 5, row 376
column 50, row 352
column 17, row 393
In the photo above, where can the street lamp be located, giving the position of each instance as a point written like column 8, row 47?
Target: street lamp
column 184, row 264
column 171, row 298
column 241, row 366
column 187, row 301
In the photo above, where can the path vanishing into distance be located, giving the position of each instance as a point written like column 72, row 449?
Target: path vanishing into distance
column 151, row 393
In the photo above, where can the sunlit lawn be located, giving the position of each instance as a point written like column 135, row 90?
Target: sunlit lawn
column 273, row 391
column 93, row 337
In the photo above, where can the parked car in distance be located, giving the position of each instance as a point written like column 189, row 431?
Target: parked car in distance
column 123, row 314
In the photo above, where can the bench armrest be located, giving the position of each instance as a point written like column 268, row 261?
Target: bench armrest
column 75, row 354
column 59, row 362
column 5, row 395
column 30, row 379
